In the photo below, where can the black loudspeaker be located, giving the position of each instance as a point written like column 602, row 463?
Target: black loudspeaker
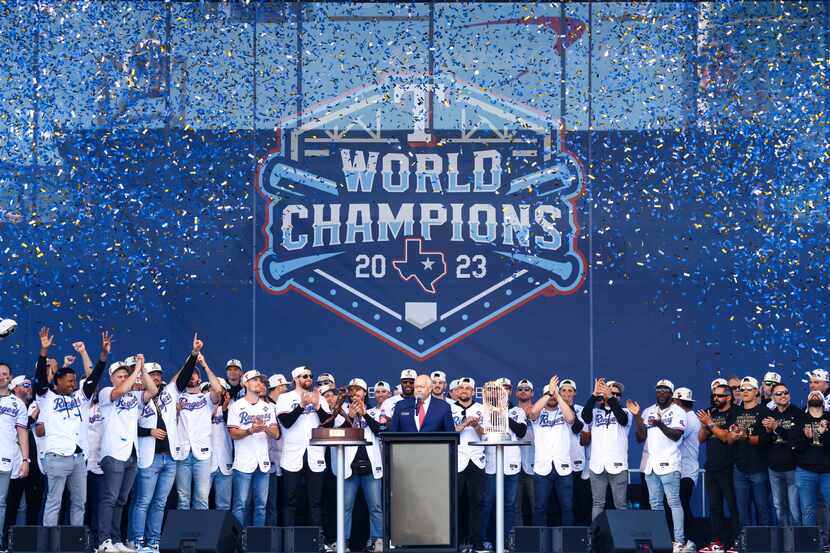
column 301, row 539
column 571, row 539
column 630, row 531
column 761, row 539
column 261, row 539
column 200, row 532
column 532, row 539
column 28, row 539
column 66, row 539
column 802, row 539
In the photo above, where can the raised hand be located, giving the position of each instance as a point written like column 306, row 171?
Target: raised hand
column 201, row 359
column 139, row 363
column 704, row 417
column 45, row 339
column 599, row 386
column 197, row 343
column 633, row 407
column 79, row 347
column 315, row 398
column 553, row 386
column 106, row 342
column 68, row 360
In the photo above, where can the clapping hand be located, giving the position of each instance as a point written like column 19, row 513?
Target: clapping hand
column 633, row 407
column 704, row 417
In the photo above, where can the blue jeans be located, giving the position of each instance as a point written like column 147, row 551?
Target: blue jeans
column 785, row 497
column 271, row 508
column 222, row 487
column 749, row 487
column 564, row 492
column 808, row 483
column 193, row 471
column 242, row 482
column 668, row 484
column 152, row 486
column 511, row 489
column 5, row 478
column 371, row 493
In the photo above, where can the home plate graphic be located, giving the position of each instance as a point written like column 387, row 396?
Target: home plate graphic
column 420, row 236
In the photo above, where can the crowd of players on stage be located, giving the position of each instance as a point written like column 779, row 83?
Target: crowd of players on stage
column 107, row 450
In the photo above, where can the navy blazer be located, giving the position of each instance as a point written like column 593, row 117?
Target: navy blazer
column 437, row 419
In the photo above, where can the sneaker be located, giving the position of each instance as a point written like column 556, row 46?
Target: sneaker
column 330, row 547
column 714, row 547
column 123, row 548
column 678, row 547
column 107, row 547
column 145, row 549
column 378, row 547
column 691, row 547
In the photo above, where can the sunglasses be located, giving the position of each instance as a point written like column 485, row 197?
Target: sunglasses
column 721, row 395
column 522, row 389
column 615, row 394
column 323, row 382
column 735, row 387
column 779, row 394
column 25, row 385
column 304, row 376
column 747, row 389
column 770, row 382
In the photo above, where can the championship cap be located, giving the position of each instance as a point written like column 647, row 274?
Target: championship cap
column 453, row 385
column 773, row 377
column 326, row 388
column 440, row 375
column 360, row 383
column 234, row 363
column 684, row 394
column 382, row 384
column 17, row 381
column 276, row 380
column 325, row 378
column 567, row 382
column 504, row 381
column 468, row 381
column 751, row 380
column 152, row 368
column 665, row 383
column 820, row 375
column 718, row 382
column 546, row 389
column 524, row 382
column 297, row 371
column 117, row 365
column 7, row 327
column 130, row 361
column 250, row 375
column 409, row 374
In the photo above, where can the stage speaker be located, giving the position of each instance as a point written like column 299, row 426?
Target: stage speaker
column 200, row 532
column 66, row 539
column 301, row 539
column 761, row 539
column 28, row 539
column 802, row 539
column 571, row 539
column 630, row 531
column 532, row 539
column 261, row 539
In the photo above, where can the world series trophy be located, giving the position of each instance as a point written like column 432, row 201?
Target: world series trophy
column 494, row 400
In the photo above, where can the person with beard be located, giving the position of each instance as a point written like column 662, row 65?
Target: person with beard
column 299, row 412
column 751, row 476
column 812, row 446
column 718, row 475
column 781, row 454
column 467, row 415
column 661, row 427
column 233, row 376
column 735, row 386
column 439, row 384
column 517, row 427
column 32, row 484
column 407, row 386
column 553, row 423
column 767, row 383
column 277, row 385
column 64, row 421
column 221, row 452
column 13, row 421
column 820, row 382
column 609, row 425
column 524, row 487
column 580, row 437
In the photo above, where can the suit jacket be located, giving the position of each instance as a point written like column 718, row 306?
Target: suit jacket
column 438, row 417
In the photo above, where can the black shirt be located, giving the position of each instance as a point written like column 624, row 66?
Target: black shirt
column 780, row 446
column 812, row 454
column 749, row 458
column 719, row 454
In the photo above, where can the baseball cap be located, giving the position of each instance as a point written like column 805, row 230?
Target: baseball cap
column 17, row 381
column 820, row 375
column 130, row 361
column 665, row 383
column 453, row 384
column 152, row 368
column 409, row 374
column 684, row 394
column 567, row 382
column 117, row 365
column 276, row 380
column 524, row 382
column 718, row 382
column 441, row 375
column 250, row 375
column 324, row 377
column 382, row 384
column 618, row 384
column 204, row 387
column 297, row 371
column 326, row 388
column 772, row 377
column 7, row 327
column 234, row 363
column 752, row 381
column 504, row 381
column 360, row 383
column 468, row 381
column 546, row 389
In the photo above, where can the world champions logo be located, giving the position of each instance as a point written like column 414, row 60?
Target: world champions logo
column 417, row 235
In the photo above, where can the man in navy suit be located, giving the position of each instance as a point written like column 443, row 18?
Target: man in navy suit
column 422, row 412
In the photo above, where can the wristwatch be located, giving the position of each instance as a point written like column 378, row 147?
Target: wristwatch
column 26, row 461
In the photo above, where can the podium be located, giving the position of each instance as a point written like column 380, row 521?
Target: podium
column 420, row 491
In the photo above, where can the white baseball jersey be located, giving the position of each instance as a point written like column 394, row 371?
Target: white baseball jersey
column 13, row 415
column 552, row 443
column 387, row 408
column 512, row 455
column 296, row 438
column 221, row 444
column 65, row 419
column 689, row 447
column 663, row 454
column 120, row 433
column 467, row 452
column 251, row 452
column 166, row 400
column 96, row 424
column 609, row 442
column 195, row 422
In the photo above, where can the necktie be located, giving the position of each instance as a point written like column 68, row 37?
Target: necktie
column 421, row 413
